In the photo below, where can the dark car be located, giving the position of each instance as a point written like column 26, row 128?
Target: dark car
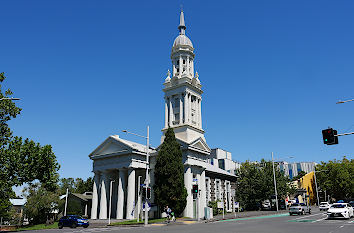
column 351, row 203
column 73, row 221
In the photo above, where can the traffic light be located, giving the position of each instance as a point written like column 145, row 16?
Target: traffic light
column 195, row 188
column 148, row 192
column 329, row 137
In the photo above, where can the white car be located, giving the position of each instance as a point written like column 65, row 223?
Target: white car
column 324, row 206
column 341, row 210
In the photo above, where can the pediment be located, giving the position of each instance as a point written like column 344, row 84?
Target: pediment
column 111, row 146
column 200, row 144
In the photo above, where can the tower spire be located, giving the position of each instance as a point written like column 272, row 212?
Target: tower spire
column 182, row 26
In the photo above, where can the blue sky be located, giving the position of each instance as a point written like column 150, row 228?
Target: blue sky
column 271, row 72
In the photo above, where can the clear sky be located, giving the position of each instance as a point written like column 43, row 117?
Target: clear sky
column 271, row 72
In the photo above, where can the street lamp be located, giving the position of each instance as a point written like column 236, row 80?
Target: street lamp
column 7, row 98
column 342, row 102
column 147, row 172
column 275, row 183
column 314, row 174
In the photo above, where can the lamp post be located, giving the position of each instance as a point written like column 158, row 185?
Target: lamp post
column 275, row 183
column 110, row 202
column 314, row 174
column 147, row 172
column 6, row 98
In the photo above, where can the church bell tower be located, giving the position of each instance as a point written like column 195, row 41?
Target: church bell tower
column 183, row 93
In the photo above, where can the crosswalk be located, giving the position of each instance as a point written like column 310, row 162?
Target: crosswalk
column 322, row 219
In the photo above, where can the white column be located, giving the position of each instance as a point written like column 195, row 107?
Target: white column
column 202, row 193
column 131, row 194
column 180, row 66
column 166, row 113
column 188, row 178
column 180, row 109
column 121, row 194
column 94, row 208
column 103, row 201
column 188, row 108
column 200, row 112
column 185, row 107
column 188, row 67
column 171, row 112
column 199, row 213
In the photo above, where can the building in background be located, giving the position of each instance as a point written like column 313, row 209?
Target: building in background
column 293, row 169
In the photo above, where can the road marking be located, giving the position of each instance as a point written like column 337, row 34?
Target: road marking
column 321, row 219
column 308, row 216
column 259, row 217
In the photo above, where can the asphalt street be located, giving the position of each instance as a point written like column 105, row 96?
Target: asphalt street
column 279, row 223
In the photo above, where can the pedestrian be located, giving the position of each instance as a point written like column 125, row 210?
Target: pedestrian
column 169, row 214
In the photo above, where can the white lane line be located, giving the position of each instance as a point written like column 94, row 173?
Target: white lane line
column 321, row 219
column 310, row 215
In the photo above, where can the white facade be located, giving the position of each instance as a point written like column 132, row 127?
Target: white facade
column 293, row 169
column 119, row 163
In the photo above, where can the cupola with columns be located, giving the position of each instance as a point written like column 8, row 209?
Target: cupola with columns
column 183, row 93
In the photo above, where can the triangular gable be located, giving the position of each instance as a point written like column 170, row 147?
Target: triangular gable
column 200, row 144
column 109, row 146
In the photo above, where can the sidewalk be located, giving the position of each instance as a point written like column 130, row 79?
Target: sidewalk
column 186, row 221
column 246, row 214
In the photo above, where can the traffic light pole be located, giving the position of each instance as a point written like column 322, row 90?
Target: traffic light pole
column 344, row 134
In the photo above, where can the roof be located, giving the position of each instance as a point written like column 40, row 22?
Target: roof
column 18, row 201
column 182, row 40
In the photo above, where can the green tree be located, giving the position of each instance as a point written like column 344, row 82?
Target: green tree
column 169, row 175
column 256, row 183
column 77, row 185
column 299, row 175
column 40, row 203
column 337, row 178
column 82, row 186
column 21, row 161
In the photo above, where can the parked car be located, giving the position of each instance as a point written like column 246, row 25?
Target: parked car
column 340, row 210
column 266, row 205
column 299, row 208
column 73, row 221
column 324, row 206
column 351, row 203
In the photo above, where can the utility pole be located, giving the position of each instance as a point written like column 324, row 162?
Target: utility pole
column 66, row 201
column 147, row 180
column 275, row 184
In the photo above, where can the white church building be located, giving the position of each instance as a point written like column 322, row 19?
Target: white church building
column 119, row 165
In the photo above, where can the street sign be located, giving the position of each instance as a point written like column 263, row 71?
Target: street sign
column 220, row 205
column 237, row 205
column 149, row 207
column 195, row 180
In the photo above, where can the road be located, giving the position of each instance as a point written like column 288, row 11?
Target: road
column 281, row 223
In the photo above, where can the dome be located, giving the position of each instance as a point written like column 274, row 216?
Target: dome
column 182, row 40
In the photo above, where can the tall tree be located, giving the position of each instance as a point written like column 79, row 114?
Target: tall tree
column 337, row 178
column 21, row 161
column 40, row 203
column 169, row 175
column 256, row 183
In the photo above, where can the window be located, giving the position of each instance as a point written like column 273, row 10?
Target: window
column 177, row 62
column 184, row 61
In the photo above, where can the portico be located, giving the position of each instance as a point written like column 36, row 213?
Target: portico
column 121, row 162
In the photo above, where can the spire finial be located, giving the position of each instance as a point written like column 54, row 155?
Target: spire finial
column 182, row 26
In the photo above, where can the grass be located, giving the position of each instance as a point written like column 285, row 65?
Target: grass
column 38, row 227
column 134, row 222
